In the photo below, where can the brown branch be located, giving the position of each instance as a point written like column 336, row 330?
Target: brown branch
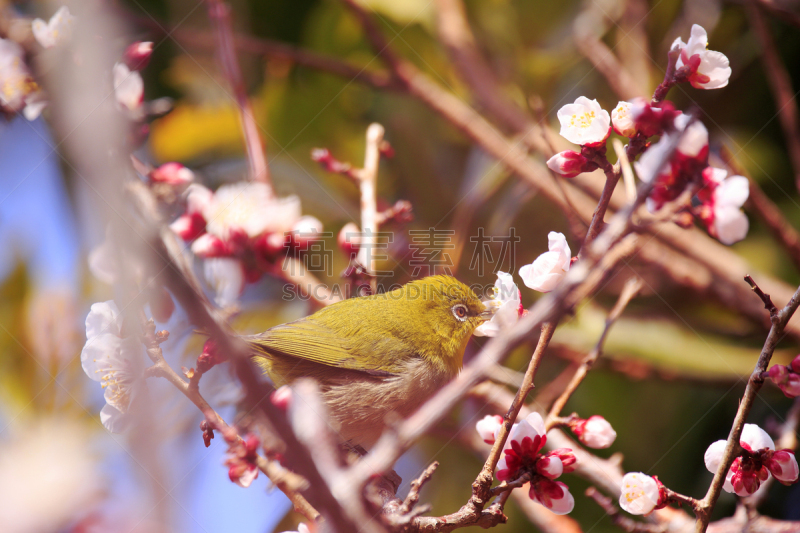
column 768, row 305
column 632, row 286
column 732, row 449
column 416, row 485
column 220, row 16
column 781, row 85
column 286, row 481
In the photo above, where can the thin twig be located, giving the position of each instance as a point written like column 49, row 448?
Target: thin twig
column 768, row 305
column 368, row 182
column 733, row 448
column 632, row 286
column 220, row 16
column 416, row 485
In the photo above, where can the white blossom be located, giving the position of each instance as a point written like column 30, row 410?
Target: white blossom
column 640, row 493
column 18, row 90
column 547, row 271
column 730, row 223
column 250, row 207
column 226, row 276
column 623, row 120
column 115, row 359
column 487, row 427
column 584, row 122
column 506, row 305
column 56, row 31
column 597, row 433
column 128, row 87
column 713, row 68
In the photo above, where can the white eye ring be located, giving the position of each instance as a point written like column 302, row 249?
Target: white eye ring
column 460, row 312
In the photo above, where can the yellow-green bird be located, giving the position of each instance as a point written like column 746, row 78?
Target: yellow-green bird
column 379, row 354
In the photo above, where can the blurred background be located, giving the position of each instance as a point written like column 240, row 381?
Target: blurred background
column 675, row 364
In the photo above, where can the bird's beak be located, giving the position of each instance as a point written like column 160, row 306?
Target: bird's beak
column 491, row 308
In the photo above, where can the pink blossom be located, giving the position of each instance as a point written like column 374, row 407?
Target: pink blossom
column 547, row 271
column 747, row 471
column 251, row 209
column 137, row 55
column 488, row 426
column 568, row 163
column 623, row 120
column 640, row 493
column 282, row 397
column 795, row 364
column 584, row 122
column 128, row 87
column 786, row 380
column 172, row 174
column 708, row 69
column 721, row 200
column 207, row 245
column 524, row 442
column 783, row 465
column 554, row 495
column 210, row 357
column 694, row 139
column 594, row 432
column 349, row 239
column 54, row 32
column 241, row 461
column 550, row 466
column 506, row 304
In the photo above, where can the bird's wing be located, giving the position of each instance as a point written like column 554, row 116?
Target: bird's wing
column 314, row 341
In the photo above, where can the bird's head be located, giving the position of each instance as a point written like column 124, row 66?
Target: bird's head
column 441, row 314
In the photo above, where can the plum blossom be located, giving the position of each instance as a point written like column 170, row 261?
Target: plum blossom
column 115, row 358
column 128, row 87
column 584, row 122
column 191, row 224
column 783, row 465
column 652, row 119
column 250, row 207
column 570, row 163
column 488, row 426
column 18, row 90
column 786, row 379
column 554, row 495
column 54, row 32
column 506, row 304
column 641, row 493
column 694, row 141
column 594, row 432
column 750, row 469
column 622, row 119
column 721, row 200
column 521, row 455
column 241, row 460
column 547, row 271
column 137, row 55
column 225, row 275
column 172, row 174
column 707, row 69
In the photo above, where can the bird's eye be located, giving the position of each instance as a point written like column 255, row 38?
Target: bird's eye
column 460, row 312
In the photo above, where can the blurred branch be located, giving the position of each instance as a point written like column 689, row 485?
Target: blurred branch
column 779, row 11
column 781, row 85
column 368, row 185
column 219, row 13
column 733, row 448
column 632, row 286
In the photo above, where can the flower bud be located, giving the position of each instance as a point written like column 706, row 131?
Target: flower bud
column 783, row 465
column 568, row 458
column 208, row 245
column 488, row 426
column 550, row 466
column 567, row 163
column 349, row 239
column 622, row 119
column 306, row 230
column 210, row 357
column 137, row 55
column 172, row 174
column 189, row 226
column 282, row 397
column 594, row 432
column 795, row 364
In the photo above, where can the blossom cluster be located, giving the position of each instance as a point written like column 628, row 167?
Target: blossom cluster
column 758, row 460
column 719, row 198
column 241, row 460
column 521, row 456
column 543, row 275
column 787, row 377
column 240, row 230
